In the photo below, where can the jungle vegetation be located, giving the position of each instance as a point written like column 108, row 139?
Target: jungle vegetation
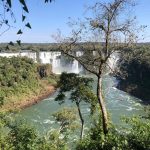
column 21, row 77
column 135, row 72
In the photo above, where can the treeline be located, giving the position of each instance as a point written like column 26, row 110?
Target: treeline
column 37, row 47
column 7, row 47
column 20, row 77
column 135, row 72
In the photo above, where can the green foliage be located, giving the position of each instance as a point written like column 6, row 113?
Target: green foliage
column 52, row 79
column 55, row 142
column 80, row 87
column 22, row 137
column 135, row 137
column 20, row 79
column 17, row 76
column 19, row 32
column 135, row 69
column 28, row 25
column 44, row 47
column 67, row 119
column 139, row 133
column 57, row 139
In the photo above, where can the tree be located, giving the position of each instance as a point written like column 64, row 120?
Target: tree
column 66, row 118
column 80, row 92
column 110, row 30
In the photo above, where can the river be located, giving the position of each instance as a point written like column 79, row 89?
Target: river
column 118, row 102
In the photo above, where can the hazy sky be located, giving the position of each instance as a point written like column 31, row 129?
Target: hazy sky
column 45, row 19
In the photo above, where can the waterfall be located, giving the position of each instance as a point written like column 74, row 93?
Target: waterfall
column 52, row 58
column 79, row 53
column 9, row 54
column 56, row 64
column 112, row 62
column 59, row 62
column 75, row 67
column 94, row 53
column 31, row 55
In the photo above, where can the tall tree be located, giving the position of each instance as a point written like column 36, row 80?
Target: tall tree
column 108, row 31
column 80, row 88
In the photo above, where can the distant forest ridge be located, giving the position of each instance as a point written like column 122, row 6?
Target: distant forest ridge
column 7, row 47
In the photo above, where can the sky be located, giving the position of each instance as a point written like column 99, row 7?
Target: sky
column 46, row 19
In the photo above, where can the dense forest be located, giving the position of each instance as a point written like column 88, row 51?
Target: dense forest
column 37, row 47
column 21, row 78
column 135, row 72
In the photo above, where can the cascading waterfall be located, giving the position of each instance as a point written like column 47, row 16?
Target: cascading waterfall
column 59, row 62
column 31, row 55
column 9, row 54
column 112, row 62
column 28, row 54
column 94, row 53
column 77, row 68
column 51, row 58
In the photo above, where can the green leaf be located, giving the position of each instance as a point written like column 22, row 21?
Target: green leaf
column 18, row 42
column 26, row 9
column 11, row 43
column 28, row 25
column 19, row 32
column 23, row 18
column 46, row 1
column 22, row 2
column 9, row 3
column 6, row 21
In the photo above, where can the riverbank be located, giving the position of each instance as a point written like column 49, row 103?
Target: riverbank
column 31, row 99
column 135, row 89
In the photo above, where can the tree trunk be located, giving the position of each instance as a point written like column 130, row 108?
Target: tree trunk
column 102, row 105
column 82, row 121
